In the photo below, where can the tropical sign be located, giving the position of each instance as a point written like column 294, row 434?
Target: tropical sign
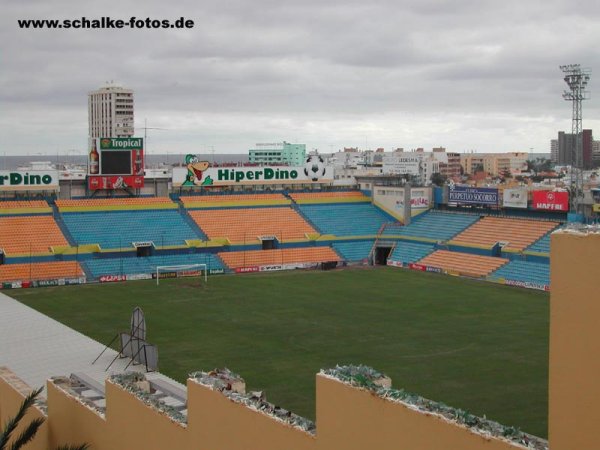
column 11, row 180
column 473, row 196
column 199, row 173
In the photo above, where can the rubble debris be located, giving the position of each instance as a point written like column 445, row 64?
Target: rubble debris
column 368, row 378
column 228, row 383
column 131, row 382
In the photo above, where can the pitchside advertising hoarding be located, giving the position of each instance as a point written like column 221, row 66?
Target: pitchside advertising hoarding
column 28, row 180
column 116, row 163
column 551, row 200
column 197, row 172
column 473, row 196
column 515, row 198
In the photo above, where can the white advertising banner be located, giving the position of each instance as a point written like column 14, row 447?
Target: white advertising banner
column 28, row 180
column 515, row 198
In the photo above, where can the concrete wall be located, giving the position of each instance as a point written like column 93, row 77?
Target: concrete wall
column 12, row 392
column 574, row 394
column 348, row 418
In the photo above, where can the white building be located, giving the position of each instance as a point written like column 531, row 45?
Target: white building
column 418, row 164
column 110, row 112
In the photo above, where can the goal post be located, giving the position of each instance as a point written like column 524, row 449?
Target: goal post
column 182, row 270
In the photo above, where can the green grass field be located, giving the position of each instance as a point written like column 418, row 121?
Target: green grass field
column 477, row 346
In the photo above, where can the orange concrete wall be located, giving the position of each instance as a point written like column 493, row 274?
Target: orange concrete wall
column 12, row 392
column 355, row 419
column 348, row 418
column 574, row 394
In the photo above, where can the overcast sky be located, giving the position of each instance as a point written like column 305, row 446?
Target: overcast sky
column 464, row 74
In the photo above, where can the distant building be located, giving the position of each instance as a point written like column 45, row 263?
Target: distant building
column 418, row 164
column 494, row 164
column 554, row 151
column 110, row 112
column 278, row 153
column 566, row 149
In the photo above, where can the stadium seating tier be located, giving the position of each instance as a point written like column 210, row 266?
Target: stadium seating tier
column 463, row 263
column 519, row 233
column 112, row 230
column 525, row 271
column 40, row 271
column 435, row 226
column 29, row 234
column 352, row 219
column 354, row 251
column 244, row 225
column 301, row 255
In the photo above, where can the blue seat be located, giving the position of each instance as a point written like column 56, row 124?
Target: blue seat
column 353, row 251
column 435, row 225
column 118, row 229
column 410, row 252
column 355, row 219
column 133, row 265
column 525, row 271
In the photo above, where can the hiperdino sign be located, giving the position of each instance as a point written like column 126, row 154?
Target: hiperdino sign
column 28, row 180
column 199, row 173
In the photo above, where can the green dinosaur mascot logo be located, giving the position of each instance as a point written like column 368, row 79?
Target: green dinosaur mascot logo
column 195, row 172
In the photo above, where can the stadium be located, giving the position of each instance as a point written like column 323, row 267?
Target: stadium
column 442, row 289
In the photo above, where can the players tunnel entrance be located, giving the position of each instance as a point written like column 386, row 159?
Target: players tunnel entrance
column 381, row 255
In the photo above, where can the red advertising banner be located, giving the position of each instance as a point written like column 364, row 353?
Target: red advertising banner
column 96, row 182
column 551, row 200
column 247, row 269
column 415, row 266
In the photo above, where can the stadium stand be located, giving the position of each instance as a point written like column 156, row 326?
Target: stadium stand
column 118, row 229
column 29, row 234
column 519, row 233
column 133, row 265
column 120, row 203
column 359, row 219
column 40, row 271
column 246, row 224
column 434, row 226
column 17, row 207
column 542, row 245
column 232, row 200
column 410, row 252
column 463, row 263
column 235, row 260
column 329, row 197
column 525, row 271
column 353, row 251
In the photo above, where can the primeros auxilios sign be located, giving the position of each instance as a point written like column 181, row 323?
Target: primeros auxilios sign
column 28, row 180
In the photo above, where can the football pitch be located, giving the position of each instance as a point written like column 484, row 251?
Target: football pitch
column 472, row 345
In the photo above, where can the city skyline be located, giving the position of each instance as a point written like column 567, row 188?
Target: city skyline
column 468, row 76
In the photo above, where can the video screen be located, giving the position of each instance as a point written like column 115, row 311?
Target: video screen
column 115, row 163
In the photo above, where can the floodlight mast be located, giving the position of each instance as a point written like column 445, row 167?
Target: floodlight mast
column 577, row 80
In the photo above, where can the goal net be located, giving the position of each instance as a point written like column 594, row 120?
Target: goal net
column 183, row 270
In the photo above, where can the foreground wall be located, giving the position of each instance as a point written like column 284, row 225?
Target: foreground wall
column 348, row 418
column 574, row 395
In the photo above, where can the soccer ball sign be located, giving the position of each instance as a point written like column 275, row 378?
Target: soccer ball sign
column 314, row 168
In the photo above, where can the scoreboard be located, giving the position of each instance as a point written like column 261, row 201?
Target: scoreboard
column 116, row 163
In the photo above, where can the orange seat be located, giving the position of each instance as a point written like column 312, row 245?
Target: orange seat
column 519, row 233
column 29, row 234
column 23, row 204
column 40, row 271
column 463, row 263
column 244, row 225
column 111, row 202
column 302, row 255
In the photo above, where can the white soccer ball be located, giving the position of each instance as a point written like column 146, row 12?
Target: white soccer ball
column 314, row 168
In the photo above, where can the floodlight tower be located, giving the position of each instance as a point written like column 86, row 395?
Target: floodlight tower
column 577, row 80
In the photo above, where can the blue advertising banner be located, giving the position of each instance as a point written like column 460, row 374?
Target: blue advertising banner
column 473, row 196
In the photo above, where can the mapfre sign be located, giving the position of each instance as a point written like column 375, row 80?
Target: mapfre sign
column 551, row 200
